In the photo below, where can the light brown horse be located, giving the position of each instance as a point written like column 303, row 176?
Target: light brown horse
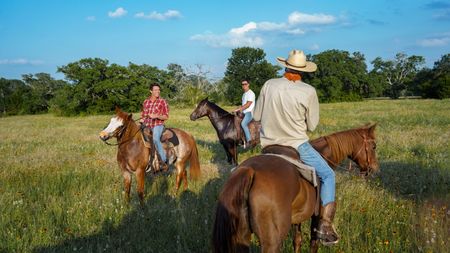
column 133, row 155
column 266, row 194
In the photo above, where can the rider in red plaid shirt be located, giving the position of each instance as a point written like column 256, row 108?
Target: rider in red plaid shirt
column 155, row 110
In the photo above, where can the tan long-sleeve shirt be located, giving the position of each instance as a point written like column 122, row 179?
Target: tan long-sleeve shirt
column 287, row 110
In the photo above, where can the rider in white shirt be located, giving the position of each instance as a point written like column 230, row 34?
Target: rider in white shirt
column 248, row 103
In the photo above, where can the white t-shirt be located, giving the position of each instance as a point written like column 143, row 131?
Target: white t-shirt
column 248, row 96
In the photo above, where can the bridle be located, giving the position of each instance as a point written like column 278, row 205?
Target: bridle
column 215, row 118
column 366, row 147
column 119, row 134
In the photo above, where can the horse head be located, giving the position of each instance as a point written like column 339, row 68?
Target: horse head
column 116, row 125
column 201, row 110
column 365, row 154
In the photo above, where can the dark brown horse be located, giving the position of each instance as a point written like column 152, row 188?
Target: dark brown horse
column 225, row 126
column 133, row 154
column 266, row 194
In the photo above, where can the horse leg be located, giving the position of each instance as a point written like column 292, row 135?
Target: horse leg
column 234, row 154
column 271, row 227
column 297, row 237
column 127, row 184
column 180, row 168
column 314, row 244
column 140, row 180
column 185, row 179
column 226, row 146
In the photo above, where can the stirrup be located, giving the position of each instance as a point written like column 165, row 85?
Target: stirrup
column 321, row 235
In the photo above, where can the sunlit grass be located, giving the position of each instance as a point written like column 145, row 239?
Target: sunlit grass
column 61, row 189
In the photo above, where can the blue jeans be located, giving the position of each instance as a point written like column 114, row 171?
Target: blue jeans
column 157, row 132
column 327, row 177
column 244, row 124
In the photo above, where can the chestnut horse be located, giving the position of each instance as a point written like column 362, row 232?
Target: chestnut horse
column 133, row 155
column 266, row 194
column 225, row 126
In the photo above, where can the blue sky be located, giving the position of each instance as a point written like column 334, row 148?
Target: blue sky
column 40, row 35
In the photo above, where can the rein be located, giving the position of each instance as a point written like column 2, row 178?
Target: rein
column 214, row 118
column 366, row 147
column 119, row 135
column 349, row 168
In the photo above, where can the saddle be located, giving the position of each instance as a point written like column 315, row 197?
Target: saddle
column 169, row 139
column 291, row 155
column 238, row 117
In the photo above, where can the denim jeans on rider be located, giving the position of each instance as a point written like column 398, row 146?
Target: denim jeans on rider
column 244, row 123
column 157, row 132
column 327, row 177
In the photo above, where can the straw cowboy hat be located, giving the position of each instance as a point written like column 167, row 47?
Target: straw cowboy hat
column 297, row 61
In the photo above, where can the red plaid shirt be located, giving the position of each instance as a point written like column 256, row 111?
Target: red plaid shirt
column 158, row 107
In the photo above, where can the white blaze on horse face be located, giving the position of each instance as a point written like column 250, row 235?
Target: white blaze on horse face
column 114, row 123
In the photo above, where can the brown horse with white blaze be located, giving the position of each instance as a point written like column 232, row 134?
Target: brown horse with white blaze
column 133, row 155
column 266, row 194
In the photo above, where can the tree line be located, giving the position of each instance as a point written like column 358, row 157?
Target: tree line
column 94, row 86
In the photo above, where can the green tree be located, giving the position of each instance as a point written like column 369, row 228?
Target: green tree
column 13, row 94
column 247, row 63
column 42, row 89
column 339, row 76
column 96, row 86
column 176, row 79
column 435, row 83
column 86, row 76
column 141, row 76
column 398, row 73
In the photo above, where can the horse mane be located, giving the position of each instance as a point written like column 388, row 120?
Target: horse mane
column 123, row 115
column 338, row 144
column 217, row 108
column 127, row 119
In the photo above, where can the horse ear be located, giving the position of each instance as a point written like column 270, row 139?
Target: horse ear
column 372, row 127
column 130, row 116
column 118, row 109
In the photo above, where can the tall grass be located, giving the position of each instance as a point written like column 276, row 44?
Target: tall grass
column 61, row 189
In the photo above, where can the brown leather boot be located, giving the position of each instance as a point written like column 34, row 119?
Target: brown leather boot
column 253, row 143
column 163, row 166
column 326, row 233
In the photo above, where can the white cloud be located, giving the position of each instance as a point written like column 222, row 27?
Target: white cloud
column 244, row 29
column 314, row 47
column 228, row 40
column 253, row 33
column 314, row 19
column 90, row 18
column 119, row 12
column 20, row 61
column 296, row 31
column 270, row 26
column 437, row 41
column 170, row 14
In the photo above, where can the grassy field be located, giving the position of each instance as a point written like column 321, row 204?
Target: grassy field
column 61, row 190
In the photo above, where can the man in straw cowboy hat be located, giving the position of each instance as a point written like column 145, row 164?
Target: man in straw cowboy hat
column 287, row 109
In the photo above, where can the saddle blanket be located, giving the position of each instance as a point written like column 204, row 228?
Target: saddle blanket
column 308, row 172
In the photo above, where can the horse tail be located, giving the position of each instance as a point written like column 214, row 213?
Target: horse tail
column 194, row 162
column 232, row 212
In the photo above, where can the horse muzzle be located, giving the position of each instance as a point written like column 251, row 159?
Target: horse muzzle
column 193, row 117
column 104, row 136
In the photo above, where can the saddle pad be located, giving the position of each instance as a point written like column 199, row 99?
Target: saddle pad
column 169, row 135
column 308, row 172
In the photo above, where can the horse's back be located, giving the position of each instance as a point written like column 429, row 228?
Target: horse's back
column 275, row 186
column 277, row 197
